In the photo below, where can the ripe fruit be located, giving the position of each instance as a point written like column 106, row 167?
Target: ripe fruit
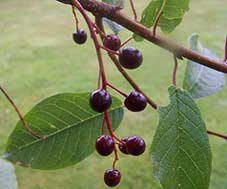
column 135, row 102
column 112, row 42
column 100, row 100
column 122, row 147
column 112, row 177
column 135, row 145
column 130, row 58
column 80, row 36
column 104, row 145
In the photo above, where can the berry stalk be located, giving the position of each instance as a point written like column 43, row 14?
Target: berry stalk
column 113, row 136
column 95, row 40
column 117, row 90
column 75, row 17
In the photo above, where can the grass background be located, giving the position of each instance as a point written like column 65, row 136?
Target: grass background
column 39, row 59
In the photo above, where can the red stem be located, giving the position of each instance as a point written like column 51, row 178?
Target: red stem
column 117, row 90
column 109, row 50
column 113, row 136
column 26, row 126
column 95, row 40
column 110, row 128
column 99, row 31
column 103, row 124
column 133, row 9
column 99, row 80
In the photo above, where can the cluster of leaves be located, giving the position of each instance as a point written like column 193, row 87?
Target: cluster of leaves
column 180, row 149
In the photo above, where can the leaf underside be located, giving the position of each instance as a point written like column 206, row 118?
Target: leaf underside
column 115, row 27
column 172, row 14
column 200, row 80
column 7, row 175
column 70, row 128
column 180, row 150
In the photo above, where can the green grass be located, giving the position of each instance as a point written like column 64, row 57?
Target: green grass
column 38, row 59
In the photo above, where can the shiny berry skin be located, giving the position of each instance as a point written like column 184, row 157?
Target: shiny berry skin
column 135, row 145
column 122, row 147
column 135, row 102
column 112, row 177
column 80, row 36
column 104, row 145
column 130, row 58
column 112, row 42
column 100, row 100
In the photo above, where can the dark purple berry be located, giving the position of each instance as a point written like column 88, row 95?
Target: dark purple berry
column 112, row 177
column 135, row 102
column 122, row 146
column 130, row 58
column 100, row 100
column 135, row 145
column 104, row 145
column 80, row 36
column 112, row 42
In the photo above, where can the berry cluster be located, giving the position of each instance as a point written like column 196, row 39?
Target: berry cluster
column 100, row 101
column 129, row 57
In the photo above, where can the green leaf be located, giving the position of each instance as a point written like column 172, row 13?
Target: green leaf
column 200, row 80
column 173, row 12
column 180, row 150
column 70, row 127
column 8, row 178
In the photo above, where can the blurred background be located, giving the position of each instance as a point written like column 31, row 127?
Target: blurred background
column 38, row 58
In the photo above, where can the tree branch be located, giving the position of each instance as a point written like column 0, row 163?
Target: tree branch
column 105, row 10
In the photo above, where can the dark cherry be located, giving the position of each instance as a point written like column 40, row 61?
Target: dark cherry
column 112, row 42
column 100, row 100
column 135, row 145
column 135, row 102
column 130, row 58
column 104, row 145
column 80, row 36
column 122, row 147
column 112, row 177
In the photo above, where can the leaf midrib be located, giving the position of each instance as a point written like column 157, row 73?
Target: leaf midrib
column 178, row 139
column 65, row 128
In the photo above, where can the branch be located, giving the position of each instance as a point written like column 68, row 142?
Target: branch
column 105, row 10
